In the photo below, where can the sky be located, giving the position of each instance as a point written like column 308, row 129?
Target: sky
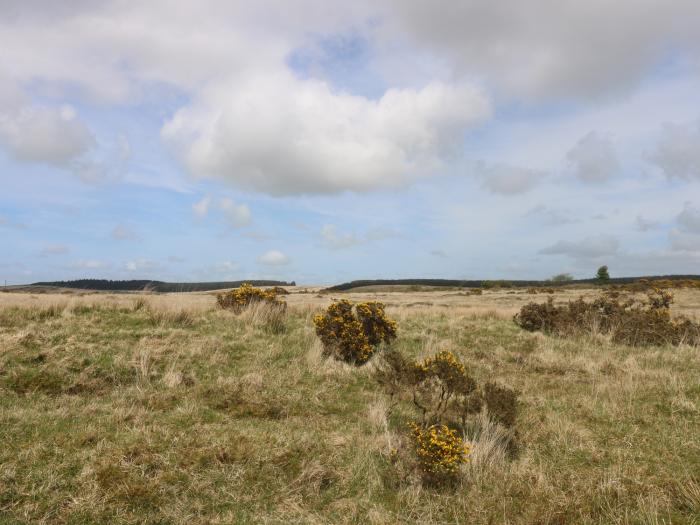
column 323, row 141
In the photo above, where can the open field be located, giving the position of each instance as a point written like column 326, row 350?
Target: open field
column 137, row 408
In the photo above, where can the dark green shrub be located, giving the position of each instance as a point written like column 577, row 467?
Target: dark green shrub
column 501, row 403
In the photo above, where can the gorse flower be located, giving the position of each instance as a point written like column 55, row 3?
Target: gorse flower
column 440, row 450
column 238, row 299
column 354, row 335
column 448, row 371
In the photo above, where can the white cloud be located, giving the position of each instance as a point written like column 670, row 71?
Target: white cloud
column 332, row 239
column 535, row 49
column 273, row 258
column 593, row 158
column 142, row 265
column 280, row 135
column 587, row 248
column 677, row 152
column 506, row 179
column 52, row 136
column 542, row 49
column 238, row 215
column 201, row 207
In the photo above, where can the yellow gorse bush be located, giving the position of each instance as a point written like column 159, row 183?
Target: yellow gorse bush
column 444, row 364
column 440, row 449
column 442, row 383
column 239, row 298
column 353, row 335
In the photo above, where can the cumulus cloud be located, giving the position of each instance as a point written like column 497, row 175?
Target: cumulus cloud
column 587, row 248
column 506, row 179
column 593, row 158
column 521, row 47
column 53, row 136
column 677, row 152
column 284, row 136
column 273, row 258
column 238, row 215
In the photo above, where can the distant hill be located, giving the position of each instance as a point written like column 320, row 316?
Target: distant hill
column 155, row 286
column 454, row 283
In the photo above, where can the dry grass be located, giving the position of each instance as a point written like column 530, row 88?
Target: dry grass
column 161, row 409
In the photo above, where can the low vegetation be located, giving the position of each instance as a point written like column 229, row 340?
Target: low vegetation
column 627, row 320
column 171, row 410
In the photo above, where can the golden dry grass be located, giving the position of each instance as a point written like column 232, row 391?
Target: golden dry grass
column 140, row 408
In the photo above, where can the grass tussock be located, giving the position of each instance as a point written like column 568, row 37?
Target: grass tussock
column 116, row 413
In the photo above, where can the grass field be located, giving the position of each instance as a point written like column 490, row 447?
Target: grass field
column 162, row 409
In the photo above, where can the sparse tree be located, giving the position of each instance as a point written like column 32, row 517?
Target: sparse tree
column 602, row 275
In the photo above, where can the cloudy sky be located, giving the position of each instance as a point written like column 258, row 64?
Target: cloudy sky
column 323, row 141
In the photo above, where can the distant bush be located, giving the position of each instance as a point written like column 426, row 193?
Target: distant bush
column 353, row 334
column 631, row 322
column 238, row 299
column 643, row 285
column 488, row 285
column 561, row 278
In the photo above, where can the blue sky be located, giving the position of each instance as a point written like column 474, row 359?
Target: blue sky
column 322, row 142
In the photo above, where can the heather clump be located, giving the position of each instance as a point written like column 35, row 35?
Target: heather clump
column 626, row 320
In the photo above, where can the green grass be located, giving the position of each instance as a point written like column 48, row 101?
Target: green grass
column 117, row 415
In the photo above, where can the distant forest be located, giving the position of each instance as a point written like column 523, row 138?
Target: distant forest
column 155, row 286
column 453, row 283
